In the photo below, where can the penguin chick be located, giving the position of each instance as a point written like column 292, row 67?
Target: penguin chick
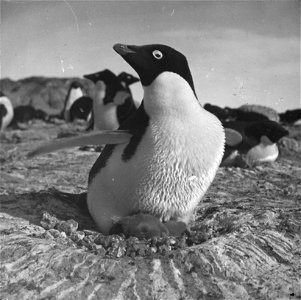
column 174, row 152
column 141, row 226
column 112, row 101
column 147, row 226
column 6, row 112
column 258, row 142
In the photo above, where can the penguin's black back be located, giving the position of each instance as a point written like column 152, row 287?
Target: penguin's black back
column 136, row 124
column 126, row 109
column 3, row 112
column 81, row 108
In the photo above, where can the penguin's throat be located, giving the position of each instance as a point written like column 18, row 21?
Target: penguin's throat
column 169, row 93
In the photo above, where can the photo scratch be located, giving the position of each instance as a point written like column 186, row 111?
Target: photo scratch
column 73, row 13
column 62, row 64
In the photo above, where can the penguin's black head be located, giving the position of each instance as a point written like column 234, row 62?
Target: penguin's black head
column 75, row 85
column 149, row 61
column 127, row 78
column 273, row 130
column 111, row 81
column 106, row 76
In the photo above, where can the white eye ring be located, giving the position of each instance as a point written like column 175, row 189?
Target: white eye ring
column 157, row 54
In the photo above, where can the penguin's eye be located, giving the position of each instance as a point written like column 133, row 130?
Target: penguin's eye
column 157, row 54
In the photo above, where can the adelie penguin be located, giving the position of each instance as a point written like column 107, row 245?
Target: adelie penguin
column 171, row 157
column 112, row 99
column 6, row 112
column 257, row 141
column 77, row 105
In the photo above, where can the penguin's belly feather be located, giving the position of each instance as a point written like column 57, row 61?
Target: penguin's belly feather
column 263, row 153
column 105, row 116
column 168, row 175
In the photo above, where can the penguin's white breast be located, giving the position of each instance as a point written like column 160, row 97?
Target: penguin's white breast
column 10, row 112
column 105, row 116
column 74, row 94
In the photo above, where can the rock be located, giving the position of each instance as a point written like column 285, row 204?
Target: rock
column 264, row 110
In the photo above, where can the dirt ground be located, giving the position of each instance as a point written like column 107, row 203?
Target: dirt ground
column 257, row 256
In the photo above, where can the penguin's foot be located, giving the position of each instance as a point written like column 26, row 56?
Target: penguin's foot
column 147, row 226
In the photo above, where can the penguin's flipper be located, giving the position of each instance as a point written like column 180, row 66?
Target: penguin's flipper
column 233, row 137
column 95, row 138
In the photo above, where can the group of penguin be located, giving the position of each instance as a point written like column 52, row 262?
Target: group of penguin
column 111, row 111
column 258, row 132
column 159, row 162
column 108, row 103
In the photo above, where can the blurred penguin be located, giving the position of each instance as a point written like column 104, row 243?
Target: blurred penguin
column 77, row 106
column 292, row 117
column 6, row 112
column 258, row 142
column 234, row 114
column 112, row 100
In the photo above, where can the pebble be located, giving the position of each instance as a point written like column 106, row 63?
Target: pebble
column 55, row 233
column 67, row 227
column 48, row 221
column 77, row 236
column 116, row 245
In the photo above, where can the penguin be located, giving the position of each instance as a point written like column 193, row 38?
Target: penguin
column 112, row 99
column 129, row 106
column 165, row 157
column 27, row 113
column 258, row 143
column 234, row 114
column 127, row 79
column 6, row 112
column 291, row 116
column 219, row 112
column 81, row 109
column 174, row 152
column 77, row 106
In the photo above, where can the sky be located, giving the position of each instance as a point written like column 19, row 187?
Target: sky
column 238, row 51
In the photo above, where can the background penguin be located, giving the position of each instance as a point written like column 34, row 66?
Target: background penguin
column 112, row 99
column 234, row 114
column 127, row 79
column 6, row 112
column 129, row 107
column 77, row 106
column 258, row 143
column 27, row 113
column 81, row 109
column 174, row 152
column 291, row 117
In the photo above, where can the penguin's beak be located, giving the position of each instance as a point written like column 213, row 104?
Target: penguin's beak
column 123, row 49
column 90, row 77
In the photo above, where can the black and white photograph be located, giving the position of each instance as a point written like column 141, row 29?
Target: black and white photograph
column 150, row 150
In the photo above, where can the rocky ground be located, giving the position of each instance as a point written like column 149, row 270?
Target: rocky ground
column 245, row 242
